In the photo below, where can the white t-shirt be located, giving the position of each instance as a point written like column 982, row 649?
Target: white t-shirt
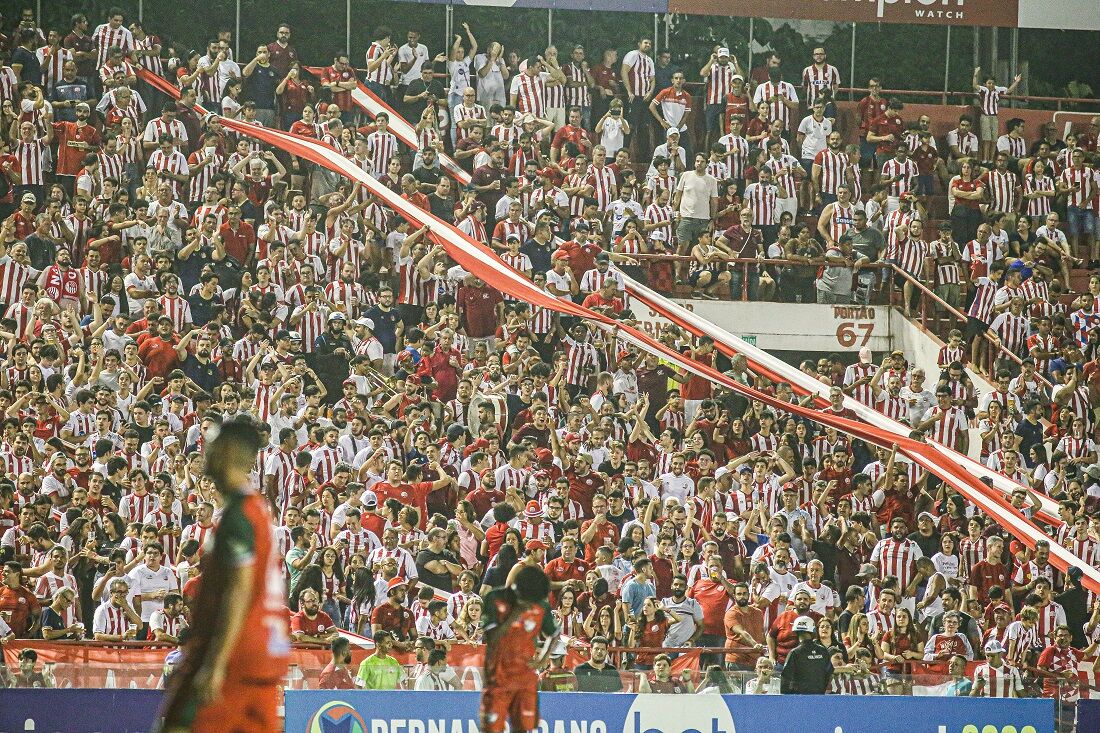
column 682, row 487
column 147, row 283
column 417, row 56
column 611, row 135
column 144, row 581
column 697, row 192
column 493, row 81
column 817, row 134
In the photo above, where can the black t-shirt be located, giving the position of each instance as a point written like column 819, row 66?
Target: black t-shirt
column 260, row 87
column 442, row 581
column 929, row 545
column 430, row 176
column 442, row 207
column 590, row 679
column 205, row 375
column 32, row 69
column 807, row 670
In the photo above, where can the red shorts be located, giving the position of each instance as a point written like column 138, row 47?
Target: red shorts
column 241, row 708
column 520, row 707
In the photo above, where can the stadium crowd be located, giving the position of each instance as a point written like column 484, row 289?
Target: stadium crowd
column 428, row 436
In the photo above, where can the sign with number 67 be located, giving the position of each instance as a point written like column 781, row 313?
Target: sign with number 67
column 848, row 333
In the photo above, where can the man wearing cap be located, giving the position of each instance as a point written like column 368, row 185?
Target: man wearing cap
column 718, row 73
column 391, row 617
column 995, row 677
column 807, row 669
column 332, row 353
column 533, row 526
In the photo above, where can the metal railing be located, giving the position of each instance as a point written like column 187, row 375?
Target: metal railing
column 968, row 97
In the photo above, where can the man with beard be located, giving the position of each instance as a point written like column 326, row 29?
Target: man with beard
column 311, row 625
column 200, row 368
column 782, row 636
column 333, row 354
column 687, row 630
column 62, row 283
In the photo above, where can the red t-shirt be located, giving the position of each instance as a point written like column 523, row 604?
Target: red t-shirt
column 159, row 355
column 479, row 306
column 319, row 625
column 606, row 534
column 341, row 98
column 887, row 125
column 71, row 159
column 714, row 599
column 239, row 242
column 785, row 639
column 409, row 494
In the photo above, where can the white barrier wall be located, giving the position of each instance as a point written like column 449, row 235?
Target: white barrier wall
column 790, row 326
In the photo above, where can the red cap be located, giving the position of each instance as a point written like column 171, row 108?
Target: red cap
column 1002, row 607
column 544, row 456
column 560, row 254
column 394, row 582
column 1015, row 547
column 533, row 509
column 570, row 437
column 533, row 545
column 542, row 474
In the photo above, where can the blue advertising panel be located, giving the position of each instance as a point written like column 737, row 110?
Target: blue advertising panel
column 359, row 711
column 1088, row 715
column 78, row 711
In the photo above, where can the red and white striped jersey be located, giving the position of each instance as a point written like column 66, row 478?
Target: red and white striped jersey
column 782, row 169
column 737, row 154
column 1087, row 180
column 852, row 374
column 176, row 308
column 134, row 507
column 112, row 165
column 897, row 559
column 324, row 463
column 762, row 200
column 158, row 128
column 381, row 146
column 151, row 62
column 576, row 96
column 1002, row 190
column 833, row 168
column 1086, row 549
column 579, row 356
column 173, row 162
column 52, row 61
column 950, row 424
column 406, row 567
column 1025, row 638
column 989, row 100
column 383, row 73
column 1039, row 205
column 462, row 113
column 982, row 305
column 971, row 552
column 911, row 255
column 603, row 181
column 530, row 94
column 1016, row 147
column 198, row 533
column 719, row 83
column 907, row 169
column 32, row 157
column 312, row 325
column 202, row 179
column 640, row 78
column 13, row 276
column 508, row 477
column 1013, row 331
column 105, row 37
column 947, row 273
column 413, row 290
column 879, row 622
column 896, row 218
column 816, row 80
column 362, row 541
column 110, row 619
column 776, row 93
column 654, row 214
column 841, row 220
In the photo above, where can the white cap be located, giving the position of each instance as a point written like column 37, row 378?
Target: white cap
column 365, row 323
column 993, row 646
column 865, row 355
column 720, row 472
column 723, row 52
column 170, row 440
